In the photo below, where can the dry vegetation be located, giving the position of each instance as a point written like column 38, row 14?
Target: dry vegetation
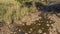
column 12, row 10
column 16, row 17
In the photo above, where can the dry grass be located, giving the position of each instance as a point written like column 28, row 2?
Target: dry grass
column 13, row 10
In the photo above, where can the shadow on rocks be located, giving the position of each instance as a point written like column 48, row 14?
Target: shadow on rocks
column 55, row 8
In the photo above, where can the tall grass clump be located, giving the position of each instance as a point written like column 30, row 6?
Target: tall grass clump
column 11, row 10
column 14, row 9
